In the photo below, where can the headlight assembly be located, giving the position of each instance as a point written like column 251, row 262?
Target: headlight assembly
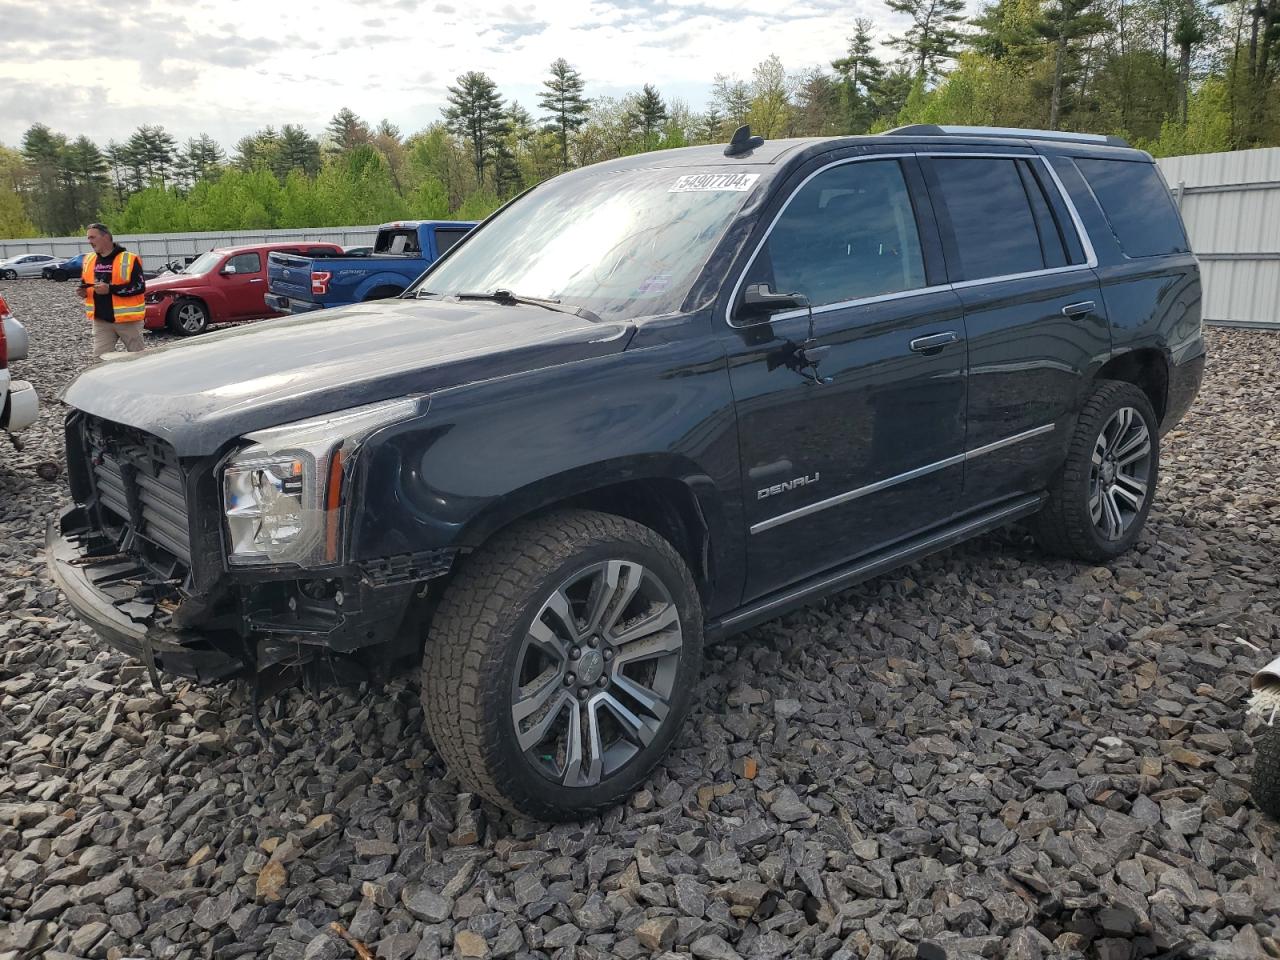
column 283, row 493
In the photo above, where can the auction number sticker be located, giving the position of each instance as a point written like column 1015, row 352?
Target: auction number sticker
column 700, row 182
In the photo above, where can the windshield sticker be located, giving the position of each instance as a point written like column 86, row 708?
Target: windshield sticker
column 659, row 281
column 699, row 182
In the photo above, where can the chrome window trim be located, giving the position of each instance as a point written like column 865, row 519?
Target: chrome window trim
column 1091, row 257
column 877, row 486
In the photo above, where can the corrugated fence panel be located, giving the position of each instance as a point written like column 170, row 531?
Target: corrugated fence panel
column 166, row 246
column 1231, row 205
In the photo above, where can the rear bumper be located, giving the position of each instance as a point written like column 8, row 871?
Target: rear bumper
column 1184, row 383
column 21, row 406
column 125, row 621
column 282, row 304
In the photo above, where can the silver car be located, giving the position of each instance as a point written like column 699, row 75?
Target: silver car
column 25, row 265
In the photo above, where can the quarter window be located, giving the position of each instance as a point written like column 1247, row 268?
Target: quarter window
column 1138, row 206
column 847, row 234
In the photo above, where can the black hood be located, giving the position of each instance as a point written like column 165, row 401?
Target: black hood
column 199, row 394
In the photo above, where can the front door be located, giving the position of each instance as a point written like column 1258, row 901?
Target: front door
column 244, row 290
column 1033, row 310
column 852, row 420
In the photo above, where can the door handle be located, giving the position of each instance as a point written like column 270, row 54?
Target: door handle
column 1081, row 309
column 935, row 342
column 258, row 280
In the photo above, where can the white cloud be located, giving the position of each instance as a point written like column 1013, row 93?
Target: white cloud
column 227, row 67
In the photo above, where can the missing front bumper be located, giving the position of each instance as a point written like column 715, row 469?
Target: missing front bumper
column 104, row 596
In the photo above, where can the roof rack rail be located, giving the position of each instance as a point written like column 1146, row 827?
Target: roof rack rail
column 934, row 130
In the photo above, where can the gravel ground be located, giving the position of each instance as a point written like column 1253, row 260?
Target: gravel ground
column 985, row 755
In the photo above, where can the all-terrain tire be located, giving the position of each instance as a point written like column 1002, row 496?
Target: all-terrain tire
column 1265, row 786
column 474, row 650
column 1065, row 525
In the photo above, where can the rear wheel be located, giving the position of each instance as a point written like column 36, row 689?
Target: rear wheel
column 382, row 293
column 186, row 318
column 561, row 663
column 1099, row 503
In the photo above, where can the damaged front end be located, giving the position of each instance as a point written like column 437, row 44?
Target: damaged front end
column 137, row 609
column 140, row 558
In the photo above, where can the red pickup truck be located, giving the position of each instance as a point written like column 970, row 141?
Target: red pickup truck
column 223, row 285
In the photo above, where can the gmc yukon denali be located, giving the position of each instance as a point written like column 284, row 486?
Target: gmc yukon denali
column 649, row 402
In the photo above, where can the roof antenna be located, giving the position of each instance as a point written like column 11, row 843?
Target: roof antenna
column 743, row 142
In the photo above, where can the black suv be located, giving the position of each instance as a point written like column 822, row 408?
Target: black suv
column 651, row 401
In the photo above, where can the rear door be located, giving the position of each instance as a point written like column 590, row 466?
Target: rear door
column 866, row 448
column 1036, row 322
column 245, row 288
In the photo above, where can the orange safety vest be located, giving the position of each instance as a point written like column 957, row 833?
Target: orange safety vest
column 128, row 309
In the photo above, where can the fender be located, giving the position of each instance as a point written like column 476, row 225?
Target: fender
column 491, row 452
column 381, row 279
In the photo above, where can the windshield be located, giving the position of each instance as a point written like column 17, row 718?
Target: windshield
column 202, row 264
column 622, row 245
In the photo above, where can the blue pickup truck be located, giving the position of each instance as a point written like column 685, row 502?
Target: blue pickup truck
column 401, row 253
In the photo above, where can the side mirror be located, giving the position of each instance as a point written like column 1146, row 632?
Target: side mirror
column 759, row 299
column 228, row 271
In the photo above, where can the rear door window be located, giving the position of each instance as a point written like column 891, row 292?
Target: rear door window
column 848, row 234
column 992, row 218
column 1137, row 205
column 446, row 240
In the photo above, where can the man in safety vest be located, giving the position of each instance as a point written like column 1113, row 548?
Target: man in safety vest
column 114, row 293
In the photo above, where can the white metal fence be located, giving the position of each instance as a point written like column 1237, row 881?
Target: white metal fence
column 1231, row 205
column 157, row 248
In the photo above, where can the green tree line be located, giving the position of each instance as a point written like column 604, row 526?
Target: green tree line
column 1171, row 76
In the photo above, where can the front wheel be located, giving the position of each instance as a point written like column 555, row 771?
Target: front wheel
column 561, row 663
column 1099, row 502
column 188, row 317
column 8, row 274
column 1265, row 782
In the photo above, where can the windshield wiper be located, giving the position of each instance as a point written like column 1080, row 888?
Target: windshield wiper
column 509, row 299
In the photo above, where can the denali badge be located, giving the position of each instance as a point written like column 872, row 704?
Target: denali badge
column 785, row 486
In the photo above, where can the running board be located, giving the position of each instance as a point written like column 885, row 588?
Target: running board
column 783, row 601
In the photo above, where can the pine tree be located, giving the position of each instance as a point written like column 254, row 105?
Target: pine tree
column 565, row 106
column 860, row 71
column 200, row 159
column 650, row 113
column 346, row 131
column 475, row 113
column 153, row 152
column 932, row 36
column 1064, row 23
column 297, row 150
column 84, row 171
column 43, row 150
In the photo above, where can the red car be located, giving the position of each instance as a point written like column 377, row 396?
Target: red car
column 220, row 286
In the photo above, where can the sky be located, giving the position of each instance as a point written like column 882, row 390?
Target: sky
column 229, row 67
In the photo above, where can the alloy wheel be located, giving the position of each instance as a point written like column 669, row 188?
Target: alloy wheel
column 596, row 673
column 190, row 318
column 1120, row 475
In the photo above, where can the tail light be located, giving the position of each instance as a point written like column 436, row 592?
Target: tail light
column 4, row 343
column 320, row 281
